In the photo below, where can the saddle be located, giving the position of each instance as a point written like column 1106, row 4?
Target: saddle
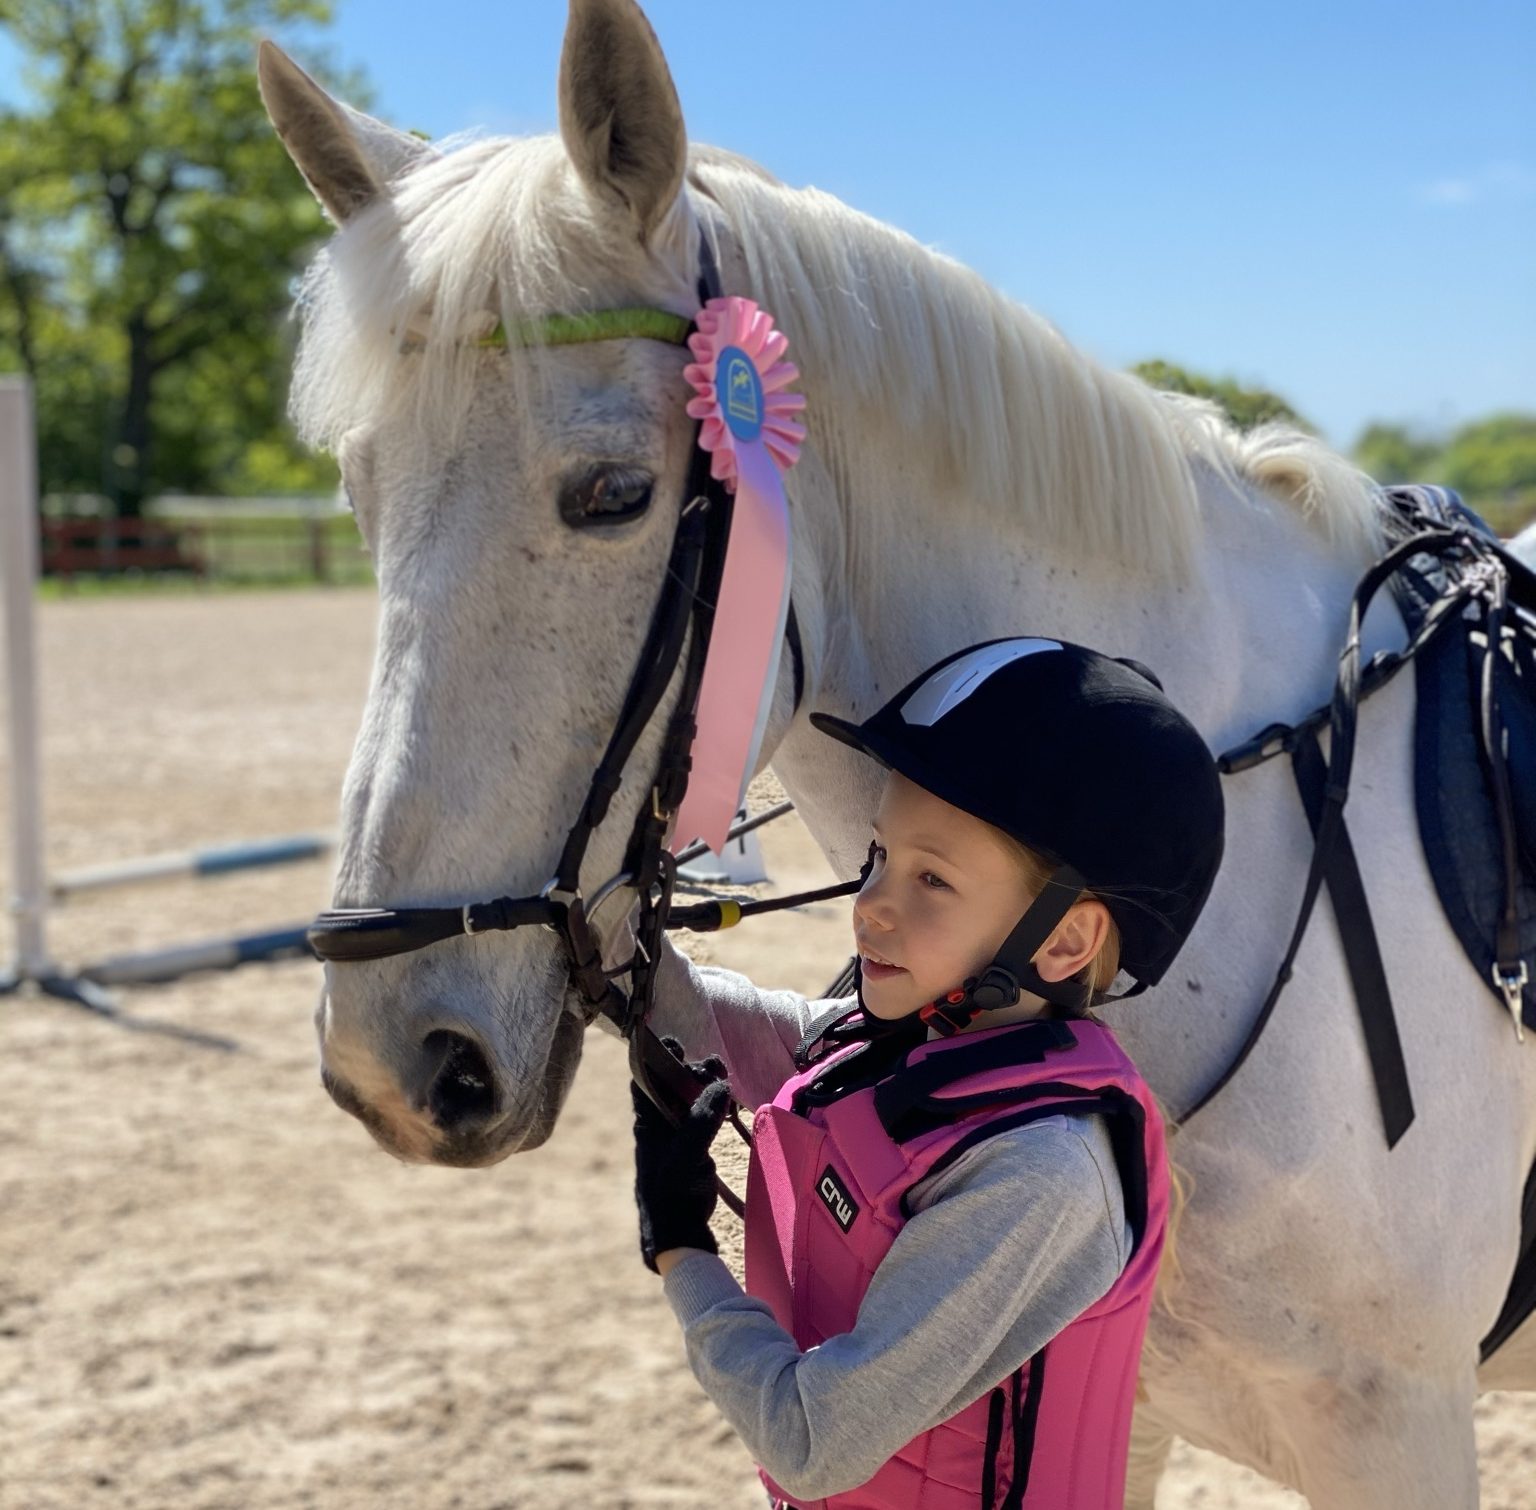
column 1470, row 610
column 1475, row 775
column 1469, row 606
column 1475, row 739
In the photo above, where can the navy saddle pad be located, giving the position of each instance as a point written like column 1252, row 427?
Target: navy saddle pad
column 1457, row 822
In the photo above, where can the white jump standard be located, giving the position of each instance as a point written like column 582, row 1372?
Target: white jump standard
column 18, row 570
column 31, row 890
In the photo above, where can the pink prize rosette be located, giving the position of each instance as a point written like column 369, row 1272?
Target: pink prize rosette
column 747, row 425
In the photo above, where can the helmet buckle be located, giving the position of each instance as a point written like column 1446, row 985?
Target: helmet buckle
column 993, row 989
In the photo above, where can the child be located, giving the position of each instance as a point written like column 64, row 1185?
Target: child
column 956, row 1203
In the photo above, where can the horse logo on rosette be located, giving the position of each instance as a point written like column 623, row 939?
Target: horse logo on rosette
column 740, row 391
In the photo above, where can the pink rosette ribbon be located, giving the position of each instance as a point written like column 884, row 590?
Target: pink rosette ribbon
column 747, row 423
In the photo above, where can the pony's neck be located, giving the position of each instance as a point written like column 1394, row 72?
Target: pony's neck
column 948, row 423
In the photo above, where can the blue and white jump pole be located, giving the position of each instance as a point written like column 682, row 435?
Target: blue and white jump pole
column 31, row 890
column 162, row 965
column 218, row 861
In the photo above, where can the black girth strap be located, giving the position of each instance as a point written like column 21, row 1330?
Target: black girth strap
column 1325, row 788
column 1357, row 935
column 1520, row 1302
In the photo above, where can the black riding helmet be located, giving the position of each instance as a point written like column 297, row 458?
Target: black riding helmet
column 1082, row 758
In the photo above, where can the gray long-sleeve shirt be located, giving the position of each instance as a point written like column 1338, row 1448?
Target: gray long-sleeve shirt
column 1005, row 1247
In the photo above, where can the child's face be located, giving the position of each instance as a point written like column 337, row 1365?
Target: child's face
column 944, row 893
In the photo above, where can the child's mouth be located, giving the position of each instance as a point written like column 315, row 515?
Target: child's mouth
column 874, row 970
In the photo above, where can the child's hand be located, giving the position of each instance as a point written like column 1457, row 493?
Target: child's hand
column 674, row 1174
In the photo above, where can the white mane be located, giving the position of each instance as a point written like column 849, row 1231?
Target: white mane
column 943, row 373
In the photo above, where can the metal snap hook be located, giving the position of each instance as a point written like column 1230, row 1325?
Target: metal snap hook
column 551, row 893
column 603, row 892
column 1512, row 986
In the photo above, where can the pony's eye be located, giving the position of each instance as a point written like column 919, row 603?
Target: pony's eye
column 605, row 495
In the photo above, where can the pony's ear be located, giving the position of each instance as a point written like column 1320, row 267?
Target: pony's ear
column 619, row 115
column 347, row 158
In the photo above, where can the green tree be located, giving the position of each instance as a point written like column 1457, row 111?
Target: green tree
column 150, row 227
column 1393, row 453
column 1491, row 462
column 1245, row 407
column 1494, row 457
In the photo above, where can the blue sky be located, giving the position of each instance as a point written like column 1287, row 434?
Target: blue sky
column 1337, row 201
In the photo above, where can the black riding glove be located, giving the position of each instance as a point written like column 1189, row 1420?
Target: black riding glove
column 674, row 1174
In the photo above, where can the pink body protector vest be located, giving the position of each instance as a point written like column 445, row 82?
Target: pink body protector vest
column 834, row 1155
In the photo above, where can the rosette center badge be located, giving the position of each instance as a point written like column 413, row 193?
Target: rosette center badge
column 741, row 390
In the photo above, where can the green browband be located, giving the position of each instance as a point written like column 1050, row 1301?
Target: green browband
column 601, row 325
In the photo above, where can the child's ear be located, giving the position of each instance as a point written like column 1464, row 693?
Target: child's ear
column 1078, row 937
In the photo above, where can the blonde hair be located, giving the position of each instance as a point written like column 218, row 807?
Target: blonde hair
column 1097, row 976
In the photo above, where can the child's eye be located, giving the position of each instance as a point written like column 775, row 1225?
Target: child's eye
column 931, row 881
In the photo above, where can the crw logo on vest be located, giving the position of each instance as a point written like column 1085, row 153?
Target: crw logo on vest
column 834, row 1196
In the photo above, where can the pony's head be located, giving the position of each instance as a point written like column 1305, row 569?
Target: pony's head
column 519, row 503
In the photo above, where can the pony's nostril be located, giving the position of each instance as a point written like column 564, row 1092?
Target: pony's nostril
column 462, row 1092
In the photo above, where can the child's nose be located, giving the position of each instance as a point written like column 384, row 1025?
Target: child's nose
column 871, row 905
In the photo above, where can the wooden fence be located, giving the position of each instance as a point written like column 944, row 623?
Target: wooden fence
column 260, row 549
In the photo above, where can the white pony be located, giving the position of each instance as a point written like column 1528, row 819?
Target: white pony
column 969, row 474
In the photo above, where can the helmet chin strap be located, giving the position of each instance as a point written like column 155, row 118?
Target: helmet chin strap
column 1011, row 971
